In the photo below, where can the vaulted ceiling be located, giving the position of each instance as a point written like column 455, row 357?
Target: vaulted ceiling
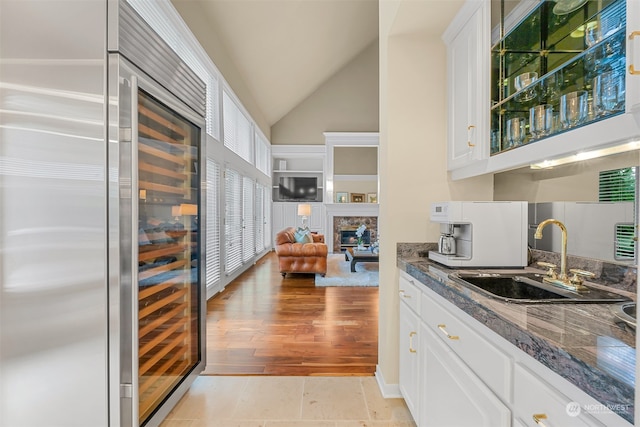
column 283, row 50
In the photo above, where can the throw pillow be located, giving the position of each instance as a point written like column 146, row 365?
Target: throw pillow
column 302, row 235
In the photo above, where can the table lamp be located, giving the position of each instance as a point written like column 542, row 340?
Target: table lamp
column 304, row 210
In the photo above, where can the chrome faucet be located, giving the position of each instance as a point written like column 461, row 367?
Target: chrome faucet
column 562, row 280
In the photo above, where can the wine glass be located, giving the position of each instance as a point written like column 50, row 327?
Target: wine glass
column 515, row 131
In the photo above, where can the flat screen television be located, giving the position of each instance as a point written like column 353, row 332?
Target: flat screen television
column 298, row 188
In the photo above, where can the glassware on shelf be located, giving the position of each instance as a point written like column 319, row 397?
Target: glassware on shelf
column 523, row 80
column 515, row 131
column 540, row 120
column 608, row 93
column 592, row 33
column 573, row 108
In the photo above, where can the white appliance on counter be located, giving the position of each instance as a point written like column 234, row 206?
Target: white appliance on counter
column 487, row 234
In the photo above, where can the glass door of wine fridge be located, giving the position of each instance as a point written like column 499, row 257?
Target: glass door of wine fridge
column 168, row 258
column 157, row 298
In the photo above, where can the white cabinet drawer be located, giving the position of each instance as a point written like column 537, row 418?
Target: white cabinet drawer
column 409, row 292
column 535, row 398
column 490, row 364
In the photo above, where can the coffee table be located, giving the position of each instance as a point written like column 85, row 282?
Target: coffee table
column 356, row 256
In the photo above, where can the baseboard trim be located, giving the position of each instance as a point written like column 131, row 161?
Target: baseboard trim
column 389, row 391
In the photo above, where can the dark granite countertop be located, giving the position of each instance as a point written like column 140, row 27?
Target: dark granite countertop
column 580, row 342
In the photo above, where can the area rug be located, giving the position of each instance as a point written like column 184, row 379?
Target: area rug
column 339, row 273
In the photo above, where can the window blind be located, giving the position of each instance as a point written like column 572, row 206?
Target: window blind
column 619, row 185
column 213, row 223
column 248, row 219
column 263, row 153
column 233, row 221
column 236, row 129
column 259, row 218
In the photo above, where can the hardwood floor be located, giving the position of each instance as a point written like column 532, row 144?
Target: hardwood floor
column 262, row 324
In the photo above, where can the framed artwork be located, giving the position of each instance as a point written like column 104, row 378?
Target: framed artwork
column 357, row 197
column 342, row 197
column 372, row 197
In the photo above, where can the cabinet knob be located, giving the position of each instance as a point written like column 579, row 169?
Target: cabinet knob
column 442, row 327
column 538, row 418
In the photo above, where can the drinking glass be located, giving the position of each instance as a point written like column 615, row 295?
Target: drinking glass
column 515, row 131
column 608, row 93
column 591, row 33
column 540, row 120
column 573, row 108
column 523, row 80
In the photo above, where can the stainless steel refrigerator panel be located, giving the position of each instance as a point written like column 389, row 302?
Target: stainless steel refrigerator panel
column 53, row 260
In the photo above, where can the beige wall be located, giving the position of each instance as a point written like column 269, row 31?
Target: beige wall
column 355, row 160
column 347, row 102
column 192, row 12
column 413, row 170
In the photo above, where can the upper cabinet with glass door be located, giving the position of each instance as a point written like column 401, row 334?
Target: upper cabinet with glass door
column 563, row 66
column 563, row 80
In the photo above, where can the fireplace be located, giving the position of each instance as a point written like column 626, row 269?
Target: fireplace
column 349, row 239
column 344, row 231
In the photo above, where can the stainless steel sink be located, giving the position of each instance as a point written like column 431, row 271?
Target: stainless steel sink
column 529, row 288
column 625, row 312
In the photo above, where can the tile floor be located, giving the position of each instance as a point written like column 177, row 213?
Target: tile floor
column 269, row 401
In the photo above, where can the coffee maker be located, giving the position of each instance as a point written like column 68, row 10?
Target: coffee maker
column 447, row 240
column 481, row 234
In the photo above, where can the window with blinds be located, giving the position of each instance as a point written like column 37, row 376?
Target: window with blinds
column 619, row 185
column 237, row 129
column 213, row 223
column 248, row 219
column 233, row 221
column 263, row 154
column 259, row 218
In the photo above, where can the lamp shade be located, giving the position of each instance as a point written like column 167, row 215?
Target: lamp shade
column 184, row 209
column 304, row 210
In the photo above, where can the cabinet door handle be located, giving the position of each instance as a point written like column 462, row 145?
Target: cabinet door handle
column 538, row 419
column 632, row 69
column 402, row 294
column 469, row 135
column 442, row 327
column 411, row 349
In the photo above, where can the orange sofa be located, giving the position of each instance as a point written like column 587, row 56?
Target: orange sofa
column 296, row 257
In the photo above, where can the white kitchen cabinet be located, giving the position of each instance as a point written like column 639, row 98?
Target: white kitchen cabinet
column 452, row 394
column 468, row 48
column 467, row 374
column 537, row 400
column 410, row 347
column 409, row 353
column 492, row 365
